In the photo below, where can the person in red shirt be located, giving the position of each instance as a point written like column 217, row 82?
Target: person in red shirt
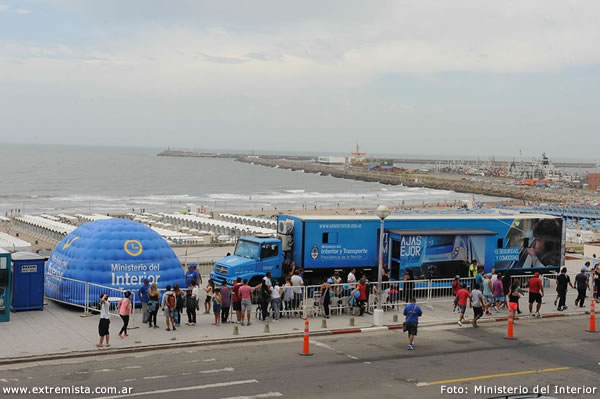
column 237, row 300
column 362, row 297
column 455, row 289
column 536, row 292
column 461, row 298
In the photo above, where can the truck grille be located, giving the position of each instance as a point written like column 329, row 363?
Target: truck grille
column 221, row 269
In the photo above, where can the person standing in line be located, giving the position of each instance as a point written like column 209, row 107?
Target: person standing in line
column 298, row 283
column 104, row 323
column 461, row 298
column 209, row 289
column 563, row 281
column 412, row 312
column 515, row 294
column 125, row 307
column 288, row 296
column 192, row 276
column 473, row 268
column 408, row 285
column 361, row 287
column 351, row 279
column 143, row 295
column 190, row 306
column 276, row 301
column 488, row 293
column 583, row 284
column 455, row 288
column 325, row 297
column 267, row 279
column 225, row 304
column 179, row 304
column 337, row 280
column 479, row 278
column 245, row 292
column 478, row 304
column 197, row 294
column 168, row 306
column 536, row 292
column 217, row 301
column 494, row 275
column 265, row 299
column 237, row 300
column 153, row 304
column 499, row 297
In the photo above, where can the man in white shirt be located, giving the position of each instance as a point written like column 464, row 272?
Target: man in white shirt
column 197, row 294
column 267, row 280
column 297, row 283
column 351, row 277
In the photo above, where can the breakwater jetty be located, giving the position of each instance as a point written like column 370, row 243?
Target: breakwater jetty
column 457, row 183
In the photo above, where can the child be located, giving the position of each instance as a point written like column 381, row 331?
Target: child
column 217, row 306
column 190, row 305
column 412, row 313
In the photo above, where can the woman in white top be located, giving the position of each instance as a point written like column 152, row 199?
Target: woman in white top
column 276, row 301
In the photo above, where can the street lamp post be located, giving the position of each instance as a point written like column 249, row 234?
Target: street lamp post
column 382, row 212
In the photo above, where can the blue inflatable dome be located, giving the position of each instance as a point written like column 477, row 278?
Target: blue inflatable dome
column 112, row 253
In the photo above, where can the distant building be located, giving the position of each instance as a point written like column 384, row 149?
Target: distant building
column 593, row 181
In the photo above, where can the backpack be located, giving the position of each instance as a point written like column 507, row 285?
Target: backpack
column 170, row 301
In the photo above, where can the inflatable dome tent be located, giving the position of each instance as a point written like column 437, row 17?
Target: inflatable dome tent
column 115, row 253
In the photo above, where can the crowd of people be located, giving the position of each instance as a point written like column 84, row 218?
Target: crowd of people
column 484, row 293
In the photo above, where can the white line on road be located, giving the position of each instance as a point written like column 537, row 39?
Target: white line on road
column 261, row 395
column 130, row 380
column 132, row 367
column 352, row 357
column 216, row 371
column 183, row 389
column 203, row 360
column 103, row 370
column 155, row 377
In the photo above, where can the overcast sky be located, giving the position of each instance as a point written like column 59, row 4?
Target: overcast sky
column 457, row 77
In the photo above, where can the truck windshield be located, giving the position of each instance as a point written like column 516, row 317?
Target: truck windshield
column 246, row 249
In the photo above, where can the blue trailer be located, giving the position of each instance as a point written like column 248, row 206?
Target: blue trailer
column 431, row 246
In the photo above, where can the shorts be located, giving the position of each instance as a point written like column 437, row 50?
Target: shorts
column 489, row 298
column 477, row 311
column 500, row 298
column 216, row 307
column 246, row 306
column 207, row 300
column 170, row 313
column 237, row 306
column 103, row 327
column 535, row 297
column 411, row 328
column 462, row 308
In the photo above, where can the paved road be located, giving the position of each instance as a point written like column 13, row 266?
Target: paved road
column 374, row 365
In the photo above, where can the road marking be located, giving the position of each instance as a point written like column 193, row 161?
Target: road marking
column 216, row 371
column 183, row 389
column 132, row 367
column 261, row 395
column 185, row 374
column 130, row 380
column 484, row 377
column 103, row 371
column 367, row 362
column 352, row 357
column 203, row 360
column 155, row 377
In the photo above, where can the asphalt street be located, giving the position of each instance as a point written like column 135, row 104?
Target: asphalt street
column 547, row 353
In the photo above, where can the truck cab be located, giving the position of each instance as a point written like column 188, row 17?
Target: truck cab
column 253, row 257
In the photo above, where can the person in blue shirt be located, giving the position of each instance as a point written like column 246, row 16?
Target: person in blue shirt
column 192, row 275
column 412, row 312
column 143, row 295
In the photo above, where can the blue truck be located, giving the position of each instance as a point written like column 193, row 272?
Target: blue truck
column 430, row 245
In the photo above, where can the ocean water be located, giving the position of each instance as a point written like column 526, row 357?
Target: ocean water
column 70, row 179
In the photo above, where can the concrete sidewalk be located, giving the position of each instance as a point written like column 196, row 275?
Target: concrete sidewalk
column 61, row 329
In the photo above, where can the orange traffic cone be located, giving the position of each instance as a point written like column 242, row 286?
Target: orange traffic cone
column 306, row 346
column 592, row 319
column 510, row 334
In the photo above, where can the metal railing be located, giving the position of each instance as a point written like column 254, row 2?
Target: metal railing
column 85, row 295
